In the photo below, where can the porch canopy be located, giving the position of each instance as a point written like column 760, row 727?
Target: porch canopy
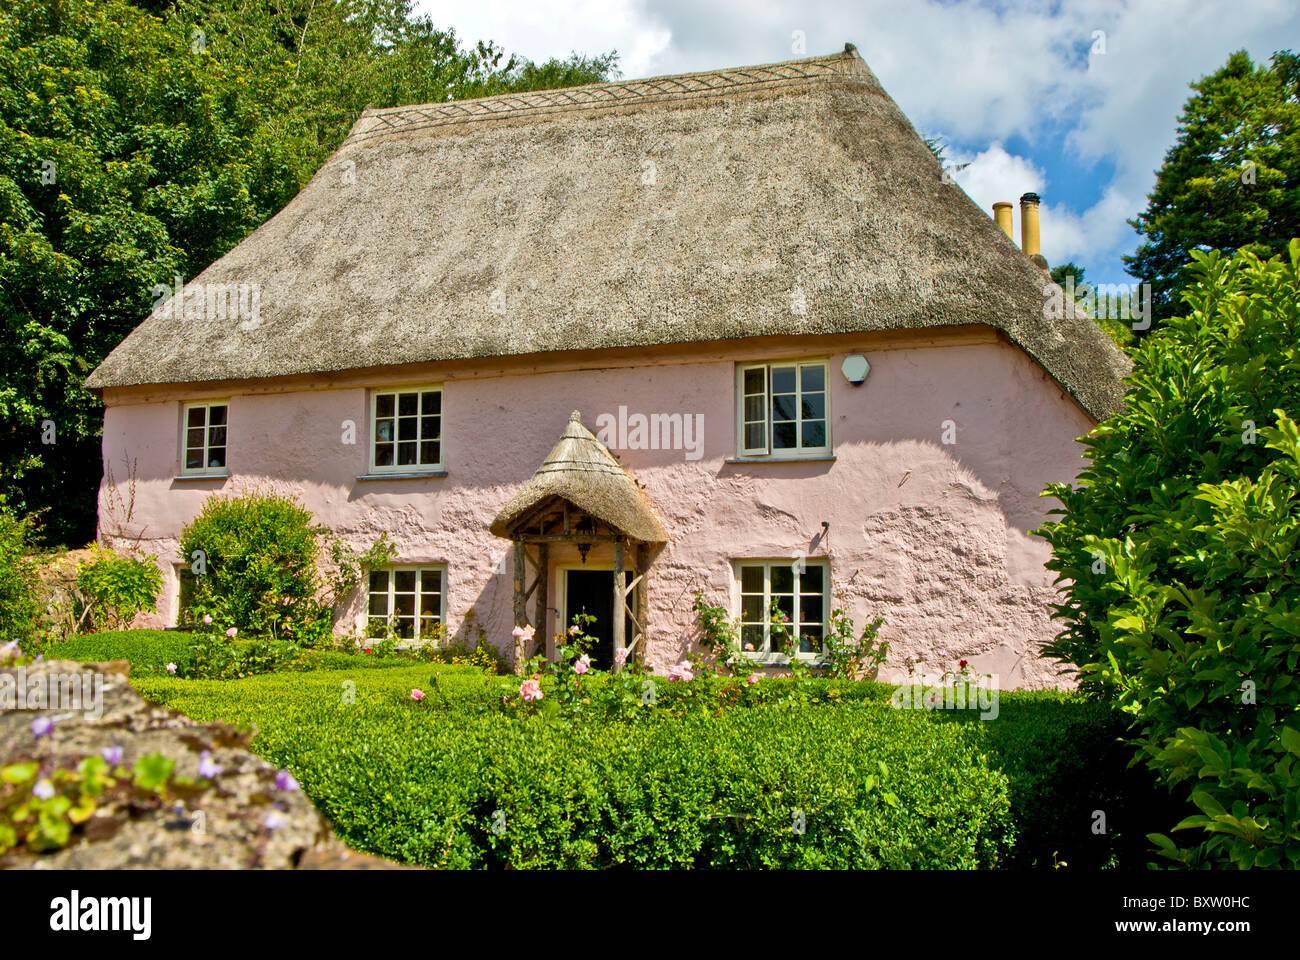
column 580, row 495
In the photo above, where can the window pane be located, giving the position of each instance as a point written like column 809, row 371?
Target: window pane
column 379, row 604
column 195, row 417
column 812, row 377
column 406, row 627
column 783, row 379
column 754, row 381
column 431, row 581
column 379, row 581
column 782, row 578
column 751, row 579
column 810, row 608
column 384, row 405
column 751, row 636
column 785, row 603
column 754, row 408
column 217, row 415
column 810, row 639
column 751, row 609
column 406, row 454
column 784, row 407
column 384, row 430
column 755, row 436
column 194, row 438
column 404, row 581
column 404, row 605
column 431, row 402
column 429, row 451
column 217, row 457
column 193, row 459
column 217, row 436
column 430, row 608
column 814, row 406
column 785, row 436
column 429, row 428
column 384, row 455
column 810, row 581
column 406, row 428
column 408, row 404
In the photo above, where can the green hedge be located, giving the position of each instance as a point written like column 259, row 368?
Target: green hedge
column 875, row 786
column 147, row 650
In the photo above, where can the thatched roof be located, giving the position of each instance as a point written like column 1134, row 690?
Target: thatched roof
column 581, row 470
column 681, row 209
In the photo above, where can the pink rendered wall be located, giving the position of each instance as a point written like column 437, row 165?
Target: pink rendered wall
column 934, row 537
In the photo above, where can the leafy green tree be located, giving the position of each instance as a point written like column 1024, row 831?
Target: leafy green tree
column 1231, row 179
column 142, row 141
column 1179, row 558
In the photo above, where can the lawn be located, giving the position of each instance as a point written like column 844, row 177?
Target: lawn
column 820, row 774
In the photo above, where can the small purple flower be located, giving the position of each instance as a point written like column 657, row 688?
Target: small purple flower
column 43, row 789
column 274, row 820
column 42, row 727
column 207, row 768
column 40, row 658
column 284, row 781
column 112, row 755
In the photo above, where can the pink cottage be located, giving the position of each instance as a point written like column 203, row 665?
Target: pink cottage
column 607, row 347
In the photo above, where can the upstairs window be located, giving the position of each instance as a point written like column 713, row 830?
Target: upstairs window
column 408, row 601
column 798, row 589
column 406, row 430
column 783, row 410
column 204, row 439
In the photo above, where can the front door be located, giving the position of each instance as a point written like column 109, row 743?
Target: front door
column 592, row 592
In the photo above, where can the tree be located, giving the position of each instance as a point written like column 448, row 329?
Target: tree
column 1232, row 178
column 142, row 141
column 1178, row 555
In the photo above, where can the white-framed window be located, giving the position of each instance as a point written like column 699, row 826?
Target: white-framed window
column 799, row 589
column 782, row 409
column 203, row 438
column 406, row 430
column 410, row 600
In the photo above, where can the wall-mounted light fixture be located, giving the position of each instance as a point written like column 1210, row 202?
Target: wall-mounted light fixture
column 855, row 369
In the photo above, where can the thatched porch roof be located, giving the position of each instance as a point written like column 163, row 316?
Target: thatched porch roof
column 580, row 470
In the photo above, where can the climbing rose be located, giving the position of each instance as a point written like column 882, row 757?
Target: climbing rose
column 962, row 664
column 681, row 671
column 231, row 633
column 171, row 668
column 620, row 656
column 207, row 619
column 525, row 632
column 417, row 693
column 753, row 678
column 582, row 665
column 530, row 690
column 574, row 630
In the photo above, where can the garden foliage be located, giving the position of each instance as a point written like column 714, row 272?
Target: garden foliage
column 1178, row 555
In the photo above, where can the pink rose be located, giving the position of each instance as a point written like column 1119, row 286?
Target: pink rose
column 582, row 665
column 620, row 656
column 681, row 671
column 231, row 633
column 752, row 679
column 530, row 690
column 525, row 632
column 574, row 630
column 207, row 619
column 417, row 694
column 171, row 668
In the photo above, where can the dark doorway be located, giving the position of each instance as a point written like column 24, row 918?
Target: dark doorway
column 592, row 592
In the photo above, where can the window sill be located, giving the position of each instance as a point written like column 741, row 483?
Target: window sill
column 412, row 475
column 781, row 660
column 812, row 458
column 185, row 477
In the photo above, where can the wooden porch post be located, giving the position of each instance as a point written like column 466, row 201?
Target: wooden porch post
column 619, row 597
column 539, row 618
column 521, row 618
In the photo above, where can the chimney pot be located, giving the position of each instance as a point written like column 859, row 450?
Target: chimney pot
column 1029, row 224
column 1002, row 215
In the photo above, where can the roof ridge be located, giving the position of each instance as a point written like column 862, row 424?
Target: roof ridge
column 669, row 87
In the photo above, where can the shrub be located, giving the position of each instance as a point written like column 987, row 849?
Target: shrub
column 19, row 609
column 119, row 588
column 1178, row 551
column 148, row 651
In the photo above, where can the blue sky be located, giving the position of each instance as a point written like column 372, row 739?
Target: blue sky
column 1077, row 100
